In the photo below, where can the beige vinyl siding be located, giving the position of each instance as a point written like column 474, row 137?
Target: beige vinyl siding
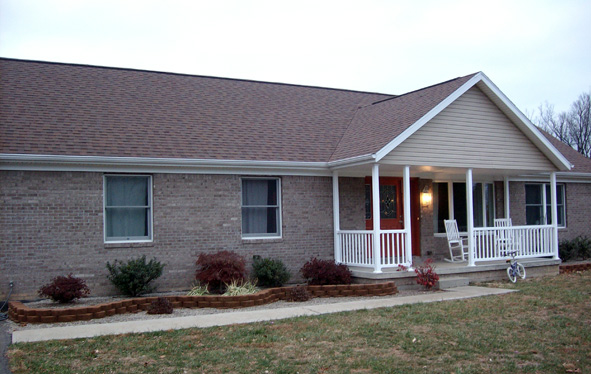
column 470, row 132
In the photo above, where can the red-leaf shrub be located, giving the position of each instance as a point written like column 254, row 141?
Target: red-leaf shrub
column 65, row 289
column 426, row 274
column 298, row 293
column 319, row 272
column 218, row 269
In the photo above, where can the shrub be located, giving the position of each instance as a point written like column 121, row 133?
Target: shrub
column 160, row 306
column 133, row 278
column 198, row 290
column 426, row 275
column 321, row 272
column 235, row 288
column 218, row 269
column 65, row 289
column 578, row 248
column 298, row 293
column 270, row 273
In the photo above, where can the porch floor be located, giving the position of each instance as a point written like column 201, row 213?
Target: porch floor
column 482, row 272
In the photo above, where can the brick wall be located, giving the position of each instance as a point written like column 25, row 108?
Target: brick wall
column 352, row 203
column 51, row 223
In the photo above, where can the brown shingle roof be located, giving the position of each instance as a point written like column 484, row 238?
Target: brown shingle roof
column 62, row 109
column 374, row 126
column 581, row 164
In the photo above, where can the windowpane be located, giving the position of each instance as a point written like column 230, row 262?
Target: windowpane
column 440, row 205
column 127, row 208
column 127, row 222
column 489, row 200
column 460, row 209
column 478, row 207
column 260, row 207
column 127, row 191
column 533, row 194
column 533, row 215
column 388, row 202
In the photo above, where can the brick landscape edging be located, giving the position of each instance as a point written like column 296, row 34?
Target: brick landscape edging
column 571, row 268
column 20, row 313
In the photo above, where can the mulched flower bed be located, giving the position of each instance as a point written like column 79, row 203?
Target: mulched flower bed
column 571, row 268
column 21, row 313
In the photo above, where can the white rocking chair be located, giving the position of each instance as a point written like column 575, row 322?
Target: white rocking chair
column 455, row 241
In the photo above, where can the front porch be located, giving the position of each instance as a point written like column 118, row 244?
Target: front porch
column 377, row 252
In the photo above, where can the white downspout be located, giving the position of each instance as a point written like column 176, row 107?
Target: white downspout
column 407, row 220
column 336, row 216
column 375, row 193
column 470, row 205
column 554, row 210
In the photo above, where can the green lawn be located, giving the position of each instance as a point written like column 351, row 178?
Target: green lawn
column 545, row 328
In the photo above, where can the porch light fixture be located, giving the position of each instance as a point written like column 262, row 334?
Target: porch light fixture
column 426, row 197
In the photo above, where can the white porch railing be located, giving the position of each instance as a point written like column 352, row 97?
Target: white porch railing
column 356, row 247
column 496, row 243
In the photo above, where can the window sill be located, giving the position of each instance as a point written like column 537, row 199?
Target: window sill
column 129, row 245
column 262, row 240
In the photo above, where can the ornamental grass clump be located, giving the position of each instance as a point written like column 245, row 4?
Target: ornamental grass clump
column 221, row 268
column 269, row 272
column 322, row 272
column 134, row 277
column 237, row 288
column 65, row 289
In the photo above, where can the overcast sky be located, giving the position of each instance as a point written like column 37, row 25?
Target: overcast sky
column 534, row 51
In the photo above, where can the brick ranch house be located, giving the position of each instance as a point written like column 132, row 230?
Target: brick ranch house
column 98, row 164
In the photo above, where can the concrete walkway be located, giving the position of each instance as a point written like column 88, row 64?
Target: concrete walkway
column 238, row 317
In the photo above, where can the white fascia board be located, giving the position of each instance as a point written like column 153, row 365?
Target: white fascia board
column 544, row 144
column 427, row 117
column 159, row 165
column 352, row 161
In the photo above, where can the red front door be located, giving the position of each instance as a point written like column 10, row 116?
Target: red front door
column 391, row 208
column 391, row 217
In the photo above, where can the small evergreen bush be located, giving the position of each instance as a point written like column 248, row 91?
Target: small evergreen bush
column 269, row 272
column 577, row 249
column 160, row 306
column 298, row 293
column 320, row 272
column 133, row 277
column 221, row 268
column 65, row 289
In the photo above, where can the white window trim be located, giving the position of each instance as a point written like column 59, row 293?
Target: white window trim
column 545, row 200
column 279, row 207
column 151, row 209
column 450, row 200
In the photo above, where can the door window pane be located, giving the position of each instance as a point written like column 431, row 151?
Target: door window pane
column 388, row 202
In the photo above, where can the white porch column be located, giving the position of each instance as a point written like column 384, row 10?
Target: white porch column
column 470, row 207
column 407, row 220
column 375, row 193
column 507, row 205
column 554, row 210
column 336, row 216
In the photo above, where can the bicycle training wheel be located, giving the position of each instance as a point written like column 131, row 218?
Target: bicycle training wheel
column 511, row 274
column 520, row 271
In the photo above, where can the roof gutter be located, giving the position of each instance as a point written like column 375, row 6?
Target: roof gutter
column 165, row 165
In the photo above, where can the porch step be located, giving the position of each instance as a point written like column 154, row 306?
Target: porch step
column 446, row 283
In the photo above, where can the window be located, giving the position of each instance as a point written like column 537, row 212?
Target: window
column 261, row 216
column 449, row 202
column 128, row 208
column 538, row 204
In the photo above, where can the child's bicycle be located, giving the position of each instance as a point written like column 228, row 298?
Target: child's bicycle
column 515, row 269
